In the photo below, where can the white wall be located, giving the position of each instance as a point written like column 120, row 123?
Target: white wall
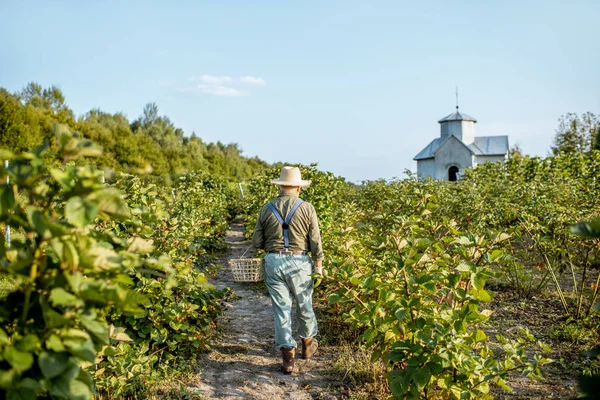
column 426, row 168
column 464, row 130
column 483, row 159
column 452, row 152
column 468, row 132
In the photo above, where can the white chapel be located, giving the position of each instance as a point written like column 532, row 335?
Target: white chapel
column 457, row 148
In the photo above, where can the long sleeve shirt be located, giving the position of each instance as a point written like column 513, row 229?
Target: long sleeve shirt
column 304, row 234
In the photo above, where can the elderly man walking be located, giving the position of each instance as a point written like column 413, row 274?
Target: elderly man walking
column 287, row 229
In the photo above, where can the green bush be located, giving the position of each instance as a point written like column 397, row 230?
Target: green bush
column 66, row 275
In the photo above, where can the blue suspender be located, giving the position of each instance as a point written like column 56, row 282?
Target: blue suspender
column 285, row 224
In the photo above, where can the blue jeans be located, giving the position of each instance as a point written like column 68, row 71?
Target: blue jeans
column 288, row 276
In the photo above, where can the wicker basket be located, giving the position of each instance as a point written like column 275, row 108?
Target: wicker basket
column 247, row 269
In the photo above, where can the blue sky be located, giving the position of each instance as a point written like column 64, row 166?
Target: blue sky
column 356, row 86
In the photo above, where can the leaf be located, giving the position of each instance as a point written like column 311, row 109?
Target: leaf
column 333, row 298
column 478, row 281
column 28, row 343
column 6, row 154
column 54, row 343
column 501, row 237
column 20, row 394
column 399, row 387
column 119, row 333
column 587, row 229
column 87, row 148
column 369, row 335
column 52, row 318
column 60, row 297
column 7, row 198
column 482, row 295
column 29, row 384
column 109, row 201
column 79, row 212
column 463, row 268
column 422, row 243
column 503, row 385
column 480, row 336
column 62, row 177
column 139, row 245
column 496, row 254
column 64, row 386
column 464, row 240
column 83, row 349
column 7, row 378
column 3, row 337
column 71, row 255
column 21, row 361
column 98, row 330
column 400, row 314
column 53, row 364
column 421, row 376
column 37, row 220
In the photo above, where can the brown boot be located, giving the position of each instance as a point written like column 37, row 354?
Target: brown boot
column 288, row 359
column 309, row 347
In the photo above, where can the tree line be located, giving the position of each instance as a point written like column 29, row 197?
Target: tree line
column 150, row 144
column 153, row 144
column 577, row 133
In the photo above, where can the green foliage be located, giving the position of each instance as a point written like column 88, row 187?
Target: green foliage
column 66, row 276
column 184, row 220
column 577, row 134
column 104, row 287
column 535, row 201
column 409, row 261
column 415, row 283
column 151, row 143
column 590, row 383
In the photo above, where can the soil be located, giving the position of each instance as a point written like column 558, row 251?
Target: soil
column 245, row 364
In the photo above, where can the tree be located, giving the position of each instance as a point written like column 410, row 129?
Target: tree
column 150, row 114
column 516, row 151
column 50, row 98
column 577, row 134
column 21, row 128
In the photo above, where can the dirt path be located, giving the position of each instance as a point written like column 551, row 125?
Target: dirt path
column 245, row 364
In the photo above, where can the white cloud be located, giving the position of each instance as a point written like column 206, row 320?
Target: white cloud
column 215, row 80
column 221, row 85
column 222, row 91
column 251, row 80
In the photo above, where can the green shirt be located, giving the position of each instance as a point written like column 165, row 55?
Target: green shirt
column 303, row 232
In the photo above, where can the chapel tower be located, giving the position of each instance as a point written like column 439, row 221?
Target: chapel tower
column 460, row 125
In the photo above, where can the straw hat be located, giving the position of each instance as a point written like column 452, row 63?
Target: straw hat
column 290, row 176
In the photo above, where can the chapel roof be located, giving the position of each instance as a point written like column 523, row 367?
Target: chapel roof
column 429, row 150
column 482, row 146
column 457, row 116
column 490, row 145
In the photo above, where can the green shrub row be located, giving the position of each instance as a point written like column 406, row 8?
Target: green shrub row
column 104, row 284
column 408, row 262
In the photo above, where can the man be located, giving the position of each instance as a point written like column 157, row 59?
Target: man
column 287, row 229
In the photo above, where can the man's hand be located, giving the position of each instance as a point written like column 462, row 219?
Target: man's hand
column 319, row 267
column 318, row 273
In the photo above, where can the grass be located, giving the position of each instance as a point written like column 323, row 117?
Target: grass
column 576, row 332
column 362, row 378
column 366, row 379
column 168, row 388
